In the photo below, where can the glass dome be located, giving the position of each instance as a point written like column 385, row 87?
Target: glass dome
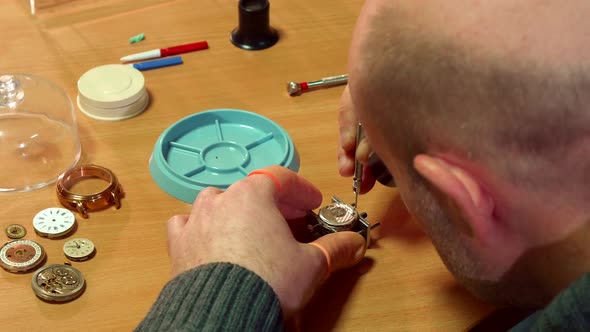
column 38, row 132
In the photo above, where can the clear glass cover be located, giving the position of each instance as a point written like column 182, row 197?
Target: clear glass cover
column 38, row 132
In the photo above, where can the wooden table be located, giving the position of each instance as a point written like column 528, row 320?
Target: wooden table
column 402, row 285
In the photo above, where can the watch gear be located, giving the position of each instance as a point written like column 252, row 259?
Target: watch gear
column 15, row 231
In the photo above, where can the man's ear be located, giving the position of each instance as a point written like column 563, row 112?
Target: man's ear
column 476, row 205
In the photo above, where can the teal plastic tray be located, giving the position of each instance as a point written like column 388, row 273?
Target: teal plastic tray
column 216, row 148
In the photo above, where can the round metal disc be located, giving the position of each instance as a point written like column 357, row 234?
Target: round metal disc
column 58, row 283
column 21, row 255
column 54, row 222
column 338, row 215
column 15, row 231
column 78, row 249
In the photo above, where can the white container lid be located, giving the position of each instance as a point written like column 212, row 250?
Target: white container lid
column 115, row 114
column 111, row 86
column 112, row 92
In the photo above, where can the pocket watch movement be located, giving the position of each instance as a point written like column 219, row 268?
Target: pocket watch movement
column 79, row 249
column 21, row 255
column 337, row 217
column 58, row 283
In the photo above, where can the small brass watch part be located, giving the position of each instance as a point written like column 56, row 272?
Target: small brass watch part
column 15, row 231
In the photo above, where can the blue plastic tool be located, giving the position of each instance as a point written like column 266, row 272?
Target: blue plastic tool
column 217, row 148
column 164, row 62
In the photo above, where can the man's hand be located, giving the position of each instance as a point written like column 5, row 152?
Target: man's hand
column 246, row 225
column 347, row 144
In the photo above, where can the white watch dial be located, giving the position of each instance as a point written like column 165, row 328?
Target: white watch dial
column 54, row 222
column 78, row 249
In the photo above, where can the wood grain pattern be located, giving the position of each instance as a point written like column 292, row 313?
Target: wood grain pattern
column 402, row 285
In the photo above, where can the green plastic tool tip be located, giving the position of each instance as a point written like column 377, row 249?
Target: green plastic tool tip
column 136, row 38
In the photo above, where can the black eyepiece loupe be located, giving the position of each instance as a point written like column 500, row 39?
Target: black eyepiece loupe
column 254, row 31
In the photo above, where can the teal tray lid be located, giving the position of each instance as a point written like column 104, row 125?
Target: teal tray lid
column 216, row 148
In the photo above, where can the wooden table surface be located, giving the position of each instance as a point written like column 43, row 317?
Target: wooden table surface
column 402, row 284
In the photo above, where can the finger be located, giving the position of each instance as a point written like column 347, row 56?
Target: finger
column 362, row 151
column 204, row 196
column 347, row 134
column 345, row 163
column 293, row 193
column 368, row 181
column 290, row 212
column 347, row 121
column 175, row 227
column 341, row 250
column 362, row 154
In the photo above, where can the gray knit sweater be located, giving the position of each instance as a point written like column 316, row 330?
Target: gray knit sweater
column 227, row 297
column 215, row 297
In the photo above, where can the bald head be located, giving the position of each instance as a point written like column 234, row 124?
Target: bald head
column 547, row 31
column 516, row 73
column 500, row 89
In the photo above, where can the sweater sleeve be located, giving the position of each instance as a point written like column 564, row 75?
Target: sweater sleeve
column 215, row 297
column 569, row 311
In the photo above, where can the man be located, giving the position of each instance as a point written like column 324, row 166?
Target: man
column 479, row 109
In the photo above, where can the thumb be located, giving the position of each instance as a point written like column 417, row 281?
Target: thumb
column 341, row 250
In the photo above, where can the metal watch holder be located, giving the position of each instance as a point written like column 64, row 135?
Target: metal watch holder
column 335, row 217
